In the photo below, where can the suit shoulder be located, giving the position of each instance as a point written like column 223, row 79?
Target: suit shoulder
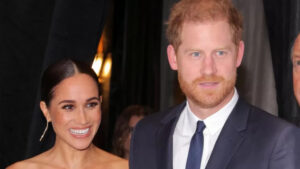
column 154, row 120
column 148, row 124
column 267, row 121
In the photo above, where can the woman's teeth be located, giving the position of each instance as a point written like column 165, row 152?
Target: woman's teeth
column 79, row 131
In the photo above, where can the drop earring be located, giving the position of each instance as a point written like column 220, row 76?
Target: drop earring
column 42, row 136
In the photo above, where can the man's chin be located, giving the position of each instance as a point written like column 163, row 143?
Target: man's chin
column 208, row 102
column 210, row 98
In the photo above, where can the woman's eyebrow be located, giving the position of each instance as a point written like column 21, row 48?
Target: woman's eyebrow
column 66, row 101
column 93, row 98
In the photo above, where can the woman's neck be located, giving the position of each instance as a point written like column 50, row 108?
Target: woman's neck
column 69, row 157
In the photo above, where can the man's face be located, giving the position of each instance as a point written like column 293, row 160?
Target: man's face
column 206, row 62
column 296, row 68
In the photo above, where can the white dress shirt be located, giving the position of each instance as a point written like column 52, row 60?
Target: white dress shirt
column 185, row 129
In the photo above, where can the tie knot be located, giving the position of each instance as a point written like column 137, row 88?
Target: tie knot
column 200, row 126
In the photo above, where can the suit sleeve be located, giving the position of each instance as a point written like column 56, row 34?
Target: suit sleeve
column 132, row 150
column 286, row 152
column 142, row 146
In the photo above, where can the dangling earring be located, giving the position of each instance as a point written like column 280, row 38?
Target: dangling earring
column 42, row 136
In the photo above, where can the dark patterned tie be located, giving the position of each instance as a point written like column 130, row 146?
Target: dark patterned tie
column 196, row 148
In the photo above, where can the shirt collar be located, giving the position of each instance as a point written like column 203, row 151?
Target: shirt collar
column 213, row 123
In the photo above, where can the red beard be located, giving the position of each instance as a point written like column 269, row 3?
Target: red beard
column 204, row 96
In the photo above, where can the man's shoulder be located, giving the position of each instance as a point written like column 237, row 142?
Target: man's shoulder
column 150, row 134
column 268, row 122
column 274, row 136
column 259, row 123
column 158, row 118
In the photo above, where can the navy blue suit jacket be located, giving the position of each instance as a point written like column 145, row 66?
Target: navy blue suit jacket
column 250, row 139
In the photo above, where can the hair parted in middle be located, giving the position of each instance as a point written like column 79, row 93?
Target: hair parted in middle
column 61, row 70
column 199, row 11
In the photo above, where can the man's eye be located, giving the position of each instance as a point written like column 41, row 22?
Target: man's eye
column 220, row 53
column 196, row 54
column 92, row 104
column 68, row 107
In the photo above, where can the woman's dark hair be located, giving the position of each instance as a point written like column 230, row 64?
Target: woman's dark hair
column 59, row 71
column 122, row 128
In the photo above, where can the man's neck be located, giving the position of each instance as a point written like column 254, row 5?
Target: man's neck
column 203, row 113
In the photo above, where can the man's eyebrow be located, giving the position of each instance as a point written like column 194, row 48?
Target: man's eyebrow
column 192, row 50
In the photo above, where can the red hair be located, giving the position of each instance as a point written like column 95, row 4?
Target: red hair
column 202, row 11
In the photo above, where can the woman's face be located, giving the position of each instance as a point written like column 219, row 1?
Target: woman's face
column 74, row 111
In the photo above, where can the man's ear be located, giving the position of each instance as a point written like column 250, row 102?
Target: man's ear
column 172, row 57
column 240, row 53
column 45, row 111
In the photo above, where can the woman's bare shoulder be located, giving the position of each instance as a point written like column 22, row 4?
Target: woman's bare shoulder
column 111, row 161
column 35, row 162
column 120, row 164
column 24, row 165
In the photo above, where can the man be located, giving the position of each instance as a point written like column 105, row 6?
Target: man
column 296, row 67
column 214, row 128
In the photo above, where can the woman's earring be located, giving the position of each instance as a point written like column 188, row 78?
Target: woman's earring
column 42, row 136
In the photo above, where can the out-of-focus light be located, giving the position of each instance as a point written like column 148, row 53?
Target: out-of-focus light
column 100, row 45
column 107, row 67
column 97, row 63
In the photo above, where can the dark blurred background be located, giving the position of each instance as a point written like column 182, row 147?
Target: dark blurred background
column 34, row 34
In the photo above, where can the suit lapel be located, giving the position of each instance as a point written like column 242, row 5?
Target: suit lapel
column 164, row 141
column 230, row 138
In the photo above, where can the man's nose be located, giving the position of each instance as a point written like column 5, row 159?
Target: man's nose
column 209, row 66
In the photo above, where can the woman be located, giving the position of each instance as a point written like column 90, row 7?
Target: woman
column 70, row 99
column 124, row 126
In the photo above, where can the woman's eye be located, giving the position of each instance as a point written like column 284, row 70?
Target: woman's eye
column 92, row 104
column 68, row 107
column 296, row 63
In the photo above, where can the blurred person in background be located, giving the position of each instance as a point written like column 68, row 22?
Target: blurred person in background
column 296, row 67
column 125, row 124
